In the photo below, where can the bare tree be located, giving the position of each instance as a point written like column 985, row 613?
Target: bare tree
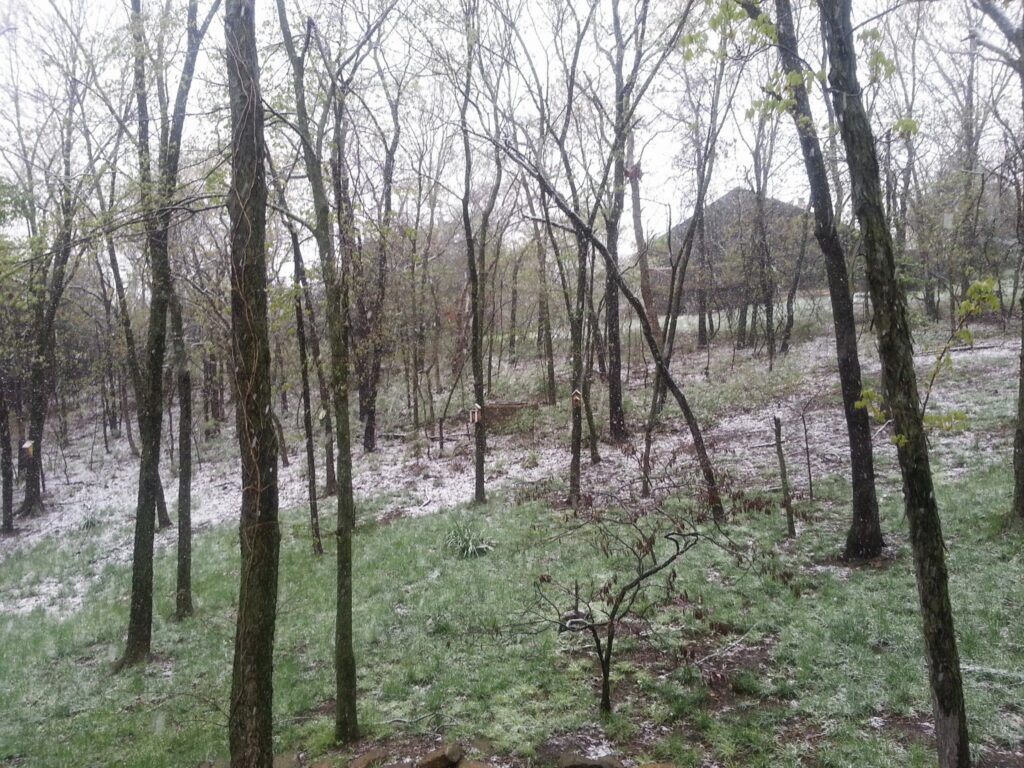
column 342, row 70
column 250, row 726
column 864, row 539
column 1013, row 56
column 897, row 357
column 157, row 197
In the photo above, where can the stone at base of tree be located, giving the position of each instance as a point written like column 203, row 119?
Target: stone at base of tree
column 367, row 759
column 443, row 757
column 570, row 760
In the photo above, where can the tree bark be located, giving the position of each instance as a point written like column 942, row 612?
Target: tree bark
column 787, row 329
column 307, row 425
column 1018, row 433
column 642, row 260
column 6, row 462
column 156, row 198
column 864, row 539
column 543, row 305
column 616, row 414
column 307, row 407
column 47, row 297
column 898, row 375
column 474, row 269
column 346, row 726
column 250, row 724
column 183, row 593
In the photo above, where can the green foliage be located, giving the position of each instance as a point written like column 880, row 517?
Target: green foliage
column 693, row 44
column 872, row 401
column 880, row 66
column 981, row 298
column 764, row 28
column 906, row 127
column 726, row 17
column 948, row 422
column 465, row 538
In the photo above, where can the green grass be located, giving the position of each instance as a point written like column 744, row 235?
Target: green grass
column 449, row 644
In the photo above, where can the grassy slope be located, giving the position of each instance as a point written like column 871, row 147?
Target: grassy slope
column 834, row 674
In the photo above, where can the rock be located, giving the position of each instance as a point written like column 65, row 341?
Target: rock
column 287, row 761
column 445, row 757
column 473, row 764
column 570, row 760
column 367, row 759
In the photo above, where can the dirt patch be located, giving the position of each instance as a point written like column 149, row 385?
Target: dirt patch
column 322, row 710
column 919, row 729
column 590, row 742
column 905, row 729
column 843, row 568
column 1000, row 758
column 729, row 670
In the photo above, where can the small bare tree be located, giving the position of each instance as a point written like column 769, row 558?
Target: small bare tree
column 640, row 543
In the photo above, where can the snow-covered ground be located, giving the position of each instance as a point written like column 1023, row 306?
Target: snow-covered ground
column 91, row 494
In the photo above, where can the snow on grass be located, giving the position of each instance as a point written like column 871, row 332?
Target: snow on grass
column 92, row 495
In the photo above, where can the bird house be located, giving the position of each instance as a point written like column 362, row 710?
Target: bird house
column 476, row 413
column 577, row 398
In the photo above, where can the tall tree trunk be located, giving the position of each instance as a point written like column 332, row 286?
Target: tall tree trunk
column 513, row 311
column 646, row 288
column 1018, row 433
column 767, row 280
column 250, row 724
column 47, row 297
column 307, row 407
column 613, row 220
column 474, row 268
column 864, row 539
column 313, row 337
column 616, row 413
column 6, row 463
column 577, row 320
column 787, row 329
column 543, row 305
column 307, row 423
column 183, row 593
column 346, row 726
column 898, row 375
column 156, row 198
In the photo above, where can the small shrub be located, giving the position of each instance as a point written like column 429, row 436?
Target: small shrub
column 467, row 540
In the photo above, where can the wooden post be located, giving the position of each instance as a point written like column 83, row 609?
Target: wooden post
column 807, row 455
column 787, row 502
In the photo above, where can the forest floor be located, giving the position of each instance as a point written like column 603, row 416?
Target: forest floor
column 773, row 652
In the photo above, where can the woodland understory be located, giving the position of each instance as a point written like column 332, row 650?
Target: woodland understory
column 793, row 657
column 591, row 384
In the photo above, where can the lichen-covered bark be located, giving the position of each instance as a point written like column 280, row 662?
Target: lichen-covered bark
column 250, row 719
column 898, row 376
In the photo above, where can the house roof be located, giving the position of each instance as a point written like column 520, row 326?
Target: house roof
column 728, row 221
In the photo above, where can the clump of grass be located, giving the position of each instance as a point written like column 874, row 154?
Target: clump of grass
column 466, row 539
